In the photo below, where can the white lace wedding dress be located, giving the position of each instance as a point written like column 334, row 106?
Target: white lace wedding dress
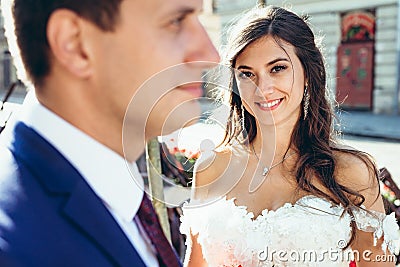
column 312, row 232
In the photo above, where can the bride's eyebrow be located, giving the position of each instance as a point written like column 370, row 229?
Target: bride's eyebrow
column 268, row 64
column 244, row 67
column 277, row 60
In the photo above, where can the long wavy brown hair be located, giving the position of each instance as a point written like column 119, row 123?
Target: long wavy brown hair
column 314, row 137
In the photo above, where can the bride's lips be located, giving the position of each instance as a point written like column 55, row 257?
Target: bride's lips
column 270, row 104
column 195, row 89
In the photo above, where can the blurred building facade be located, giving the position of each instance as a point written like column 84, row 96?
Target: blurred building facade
column 361, row 45
column 7, row 72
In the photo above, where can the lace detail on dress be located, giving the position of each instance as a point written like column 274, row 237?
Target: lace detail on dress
column 231, row 236
column 381, row 225
column 210, row 222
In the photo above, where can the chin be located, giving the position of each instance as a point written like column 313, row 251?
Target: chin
column 181, row 116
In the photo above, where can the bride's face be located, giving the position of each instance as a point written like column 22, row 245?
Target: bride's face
column 271, row 82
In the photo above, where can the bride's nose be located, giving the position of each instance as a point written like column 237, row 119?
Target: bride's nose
column 265, row 86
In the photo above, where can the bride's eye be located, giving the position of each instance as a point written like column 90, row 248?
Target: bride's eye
column 245, row 75
column 278, row 68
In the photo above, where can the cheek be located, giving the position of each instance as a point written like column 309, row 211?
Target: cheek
column 247, row 102
column 149, row 58
column 246, row 94
column 297, row 97
column 287, row 86
column 247, row 97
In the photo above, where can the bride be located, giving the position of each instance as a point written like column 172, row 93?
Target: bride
column 281, row 191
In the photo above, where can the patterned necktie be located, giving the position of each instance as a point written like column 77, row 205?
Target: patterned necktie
column 165, row 253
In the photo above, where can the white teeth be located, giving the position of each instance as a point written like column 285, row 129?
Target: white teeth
column 270, row 104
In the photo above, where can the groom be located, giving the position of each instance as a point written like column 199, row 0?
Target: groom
column 66, row 195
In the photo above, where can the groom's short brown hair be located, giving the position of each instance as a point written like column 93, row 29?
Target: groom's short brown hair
column 31, row 17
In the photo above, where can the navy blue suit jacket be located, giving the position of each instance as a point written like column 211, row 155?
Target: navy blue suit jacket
column 49, row 216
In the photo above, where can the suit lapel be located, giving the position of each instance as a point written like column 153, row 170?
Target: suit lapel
column 100, row 225
column 83, row 208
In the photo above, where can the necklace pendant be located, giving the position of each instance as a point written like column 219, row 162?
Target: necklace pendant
column 265, row 171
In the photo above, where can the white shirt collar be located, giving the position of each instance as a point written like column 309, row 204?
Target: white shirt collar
column 118, row 183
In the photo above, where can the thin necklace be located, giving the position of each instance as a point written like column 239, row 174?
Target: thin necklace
column 267, row 169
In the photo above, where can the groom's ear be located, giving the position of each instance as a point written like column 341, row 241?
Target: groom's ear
column 67, row 41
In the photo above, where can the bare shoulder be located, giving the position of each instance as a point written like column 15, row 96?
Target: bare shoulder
column 210, row 166
column 208, row 169
column 356, row 171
